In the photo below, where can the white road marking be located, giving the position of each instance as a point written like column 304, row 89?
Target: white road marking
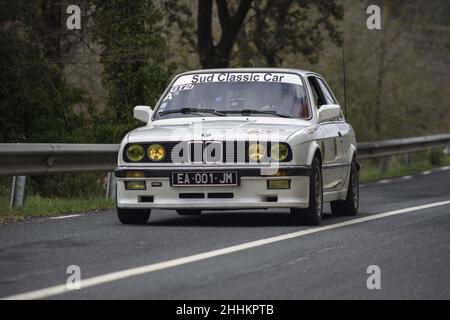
column 406, row 177
column 384, row 181
column 65, row 217
column 426, row 172
column 120, row 275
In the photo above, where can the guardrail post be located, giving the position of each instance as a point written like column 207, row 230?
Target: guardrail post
column 407, row 160
column 446, row 150
column 384, row 165
column 18, row 191
column 111, row 186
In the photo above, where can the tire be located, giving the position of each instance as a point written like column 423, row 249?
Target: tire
column 313, row 214
column 349, row 206
column 189, row 212
column 133, row 216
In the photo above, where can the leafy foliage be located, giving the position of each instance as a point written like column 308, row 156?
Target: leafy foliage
column 278, row 28
column 37, row 104
column 134, row 55
column 255, row 33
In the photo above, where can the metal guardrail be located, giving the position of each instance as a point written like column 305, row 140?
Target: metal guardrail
column 23, row 159
column 44, row 158
column 367, row 150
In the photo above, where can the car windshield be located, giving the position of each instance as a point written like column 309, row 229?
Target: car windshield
column 235, row 94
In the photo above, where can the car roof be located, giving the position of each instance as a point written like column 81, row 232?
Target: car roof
column 300, row 71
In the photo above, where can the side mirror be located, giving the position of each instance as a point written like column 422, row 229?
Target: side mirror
column 328, row 112
column 142, row 113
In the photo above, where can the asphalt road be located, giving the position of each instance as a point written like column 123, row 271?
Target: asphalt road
column 411, row 247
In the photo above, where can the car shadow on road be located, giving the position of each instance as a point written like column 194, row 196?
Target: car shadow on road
column 233, row 219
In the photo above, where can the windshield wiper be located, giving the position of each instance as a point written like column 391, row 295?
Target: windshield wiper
column 188, row 110
column 254, row 111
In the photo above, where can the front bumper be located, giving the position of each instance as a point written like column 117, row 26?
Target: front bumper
column 251, row 193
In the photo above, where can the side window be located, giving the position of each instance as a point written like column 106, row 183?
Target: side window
column 315, row 91
column 327, row 95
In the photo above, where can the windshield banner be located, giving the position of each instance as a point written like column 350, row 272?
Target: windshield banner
column 276, row 77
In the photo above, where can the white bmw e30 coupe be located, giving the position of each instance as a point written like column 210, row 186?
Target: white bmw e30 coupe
column 240, row 139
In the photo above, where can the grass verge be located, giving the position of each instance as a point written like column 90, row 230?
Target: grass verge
column 36, row 206
column 370, row 171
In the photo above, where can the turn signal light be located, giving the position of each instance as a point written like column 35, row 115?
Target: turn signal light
column 135, row 174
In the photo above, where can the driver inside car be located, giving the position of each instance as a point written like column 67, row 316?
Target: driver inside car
column 294, row 102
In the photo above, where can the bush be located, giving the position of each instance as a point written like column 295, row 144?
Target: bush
column 68, row 185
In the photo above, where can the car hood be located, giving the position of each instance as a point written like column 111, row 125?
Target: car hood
column 231, row 128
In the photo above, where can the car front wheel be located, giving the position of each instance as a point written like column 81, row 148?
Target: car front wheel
column 133, row 216
column 313, row 214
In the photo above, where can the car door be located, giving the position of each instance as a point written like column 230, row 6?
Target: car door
column 344, row 132
column 333, row 149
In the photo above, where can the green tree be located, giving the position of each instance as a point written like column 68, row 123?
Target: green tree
column 280, row 28
column 36, row 104
column 218, row 55
column 265, row 31
column 134, row 56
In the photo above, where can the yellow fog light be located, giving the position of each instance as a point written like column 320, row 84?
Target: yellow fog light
column 278, row 184
column 135, row 174
column 135, row 152
column 279, row 152
column 156, row 152
column 135, row 185
column 256, row 152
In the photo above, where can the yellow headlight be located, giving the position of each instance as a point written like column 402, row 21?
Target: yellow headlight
column 279, row 152
column 135, row 152
column 256, row 152
column 156, row 152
